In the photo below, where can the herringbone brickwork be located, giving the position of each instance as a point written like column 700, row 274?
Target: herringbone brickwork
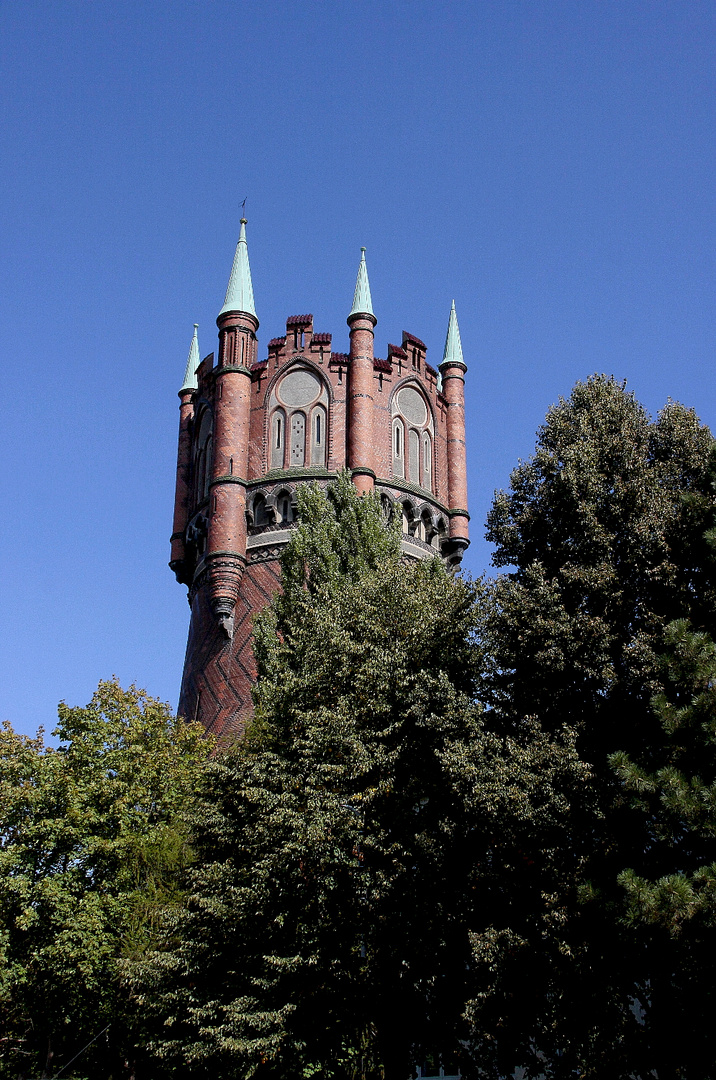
column 218, row 672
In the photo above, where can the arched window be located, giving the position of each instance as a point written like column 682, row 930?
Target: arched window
column 284, row 506
column 398, row 449
column 259, row 508
column 206, row 469
column 301, row 399
column 411, row 408
column 278, row 438
column 202, row 461
column 427, row 462
column 407, row 518
column 413, row 456
column 318, row 436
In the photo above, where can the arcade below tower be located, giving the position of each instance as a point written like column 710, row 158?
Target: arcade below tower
column 251, row 430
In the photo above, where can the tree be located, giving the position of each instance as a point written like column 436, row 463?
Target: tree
column 92, row 839
column 603, row 529
column 327, row 930
column 671, row 889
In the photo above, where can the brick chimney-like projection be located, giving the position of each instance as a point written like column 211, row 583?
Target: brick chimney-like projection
column 251, row 430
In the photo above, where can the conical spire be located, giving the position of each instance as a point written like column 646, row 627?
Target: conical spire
column 453, row 345
column 362, row 304
column 240, row 291
column 192, row 363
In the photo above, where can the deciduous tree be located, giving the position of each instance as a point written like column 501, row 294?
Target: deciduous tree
column 92, row 840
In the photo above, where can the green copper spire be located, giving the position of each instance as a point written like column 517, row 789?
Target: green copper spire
column 453, row 345
column 240, row 291
column 362, row 304
column 192, row 363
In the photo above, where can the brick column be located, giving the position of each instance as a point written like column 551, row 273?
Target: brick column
column 226, row 541
column 453, row 380
column 181, row 491
column 361, row 459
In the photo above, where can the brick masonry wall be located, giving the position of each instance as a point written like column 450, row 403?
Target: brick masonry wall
column 220, row 670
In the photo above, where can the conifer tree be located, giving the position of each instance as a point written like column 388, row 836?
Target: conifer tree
column 671, row 887
column 345, row 851
column 603, row 534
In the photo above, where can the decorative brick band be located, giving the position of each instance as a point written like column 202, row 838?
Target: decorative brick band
column 459, row 513
column 228, row 480
column 232, row 367
column 361, row 470
column 295, row 473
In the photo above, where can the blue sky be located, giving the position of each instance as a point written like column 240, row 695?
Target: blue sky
column 550, row 165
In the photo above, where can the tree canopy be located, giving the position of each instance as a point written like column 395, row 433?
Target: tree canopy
column 604, row 534
column 470, row 822
column 328, row 924
column 92, row 840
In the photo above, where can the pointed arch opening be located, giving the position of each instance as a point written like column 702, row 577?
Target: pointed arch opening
column 278, row 438
column 318, row 436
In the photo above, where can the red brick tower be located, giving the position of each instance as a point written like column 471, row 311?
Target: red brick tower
column 251, row 430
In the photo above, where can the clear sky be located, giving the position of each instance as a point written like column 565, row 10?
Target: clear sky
column 547, row 163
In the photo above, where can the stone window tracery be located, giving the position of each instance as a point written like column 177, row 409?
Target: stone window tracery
column 413, row 430
column 299, row 403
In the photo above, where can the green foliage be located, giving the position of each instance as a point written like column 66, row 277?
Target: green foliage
column 604, row 529
column 466, row 819
column 604, row 532
column 675, row 793
column 92, row 841
column 345, row 847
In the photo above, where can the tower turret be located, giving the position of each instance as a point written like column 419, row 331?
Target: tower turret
column 452, row 372
column 181, row 495
column 226, row 538
column 361, row 320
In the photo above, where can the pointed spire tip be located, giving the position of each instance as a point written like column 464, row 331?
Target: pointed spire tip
column 192, row 363
column 240, row 291
column 362, row 303
column 453, row 344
